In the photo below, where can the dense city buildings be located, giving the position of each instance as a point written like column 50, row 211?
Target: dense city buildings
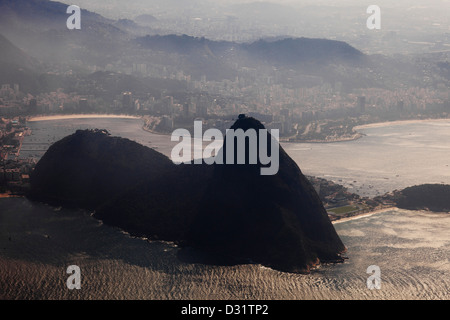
column 328, row 110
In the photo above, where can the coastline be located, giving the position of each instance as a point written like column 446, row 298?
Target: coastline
column 364, row 215
column 355, row 217
column 397, row 122
column 360, row 135
column 357, row 135
column 80, row 116
column 347, row 139
column 143, row 127
column 9, row 195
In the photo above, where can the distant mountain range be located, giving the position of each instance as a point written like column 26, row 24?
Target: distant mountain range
column 43, row 14
column 284, row 52
column 39, row 29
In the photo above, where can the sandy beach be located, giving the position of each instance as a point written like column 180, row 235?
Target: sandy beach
column 368, row 214
column 80, row 116
column 391, row 123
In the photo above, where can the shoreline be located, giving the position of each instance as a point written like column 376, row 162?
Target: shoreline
column 80, row 116
column 9, row 195
column 355, row 217
column 398, row 122
column 364, row 215
column 143, row 127
column 358, row 135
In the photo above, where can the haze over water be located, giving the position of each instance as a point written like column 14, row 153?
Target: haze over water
column 411, row 248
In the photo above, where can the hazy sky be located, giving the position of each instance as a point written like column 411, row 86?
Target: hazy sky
column 413, row 20
column 118, row 7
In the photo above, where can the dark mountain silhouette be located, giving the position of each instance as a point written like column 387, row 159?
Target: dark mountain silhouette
column 288, row 51
column 89, row 167
column 292, row 51
column 276, row 220
column 218, row 59
column 433, row 197
column 160, row 208
column 184, row 44
column 229, row 212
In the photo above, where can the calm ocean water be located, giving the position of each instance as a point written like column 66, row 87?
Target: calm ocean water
column 412, row 248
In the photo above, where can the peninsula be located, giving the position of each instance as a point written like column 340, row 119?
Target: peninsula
column 227, row 211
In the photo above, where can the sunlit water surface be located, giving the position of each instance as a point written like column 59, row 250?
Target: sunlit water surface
column 412, row 248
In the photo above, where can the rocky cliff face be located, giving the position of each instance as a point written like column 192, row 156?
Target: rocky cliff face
column 230, row 211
